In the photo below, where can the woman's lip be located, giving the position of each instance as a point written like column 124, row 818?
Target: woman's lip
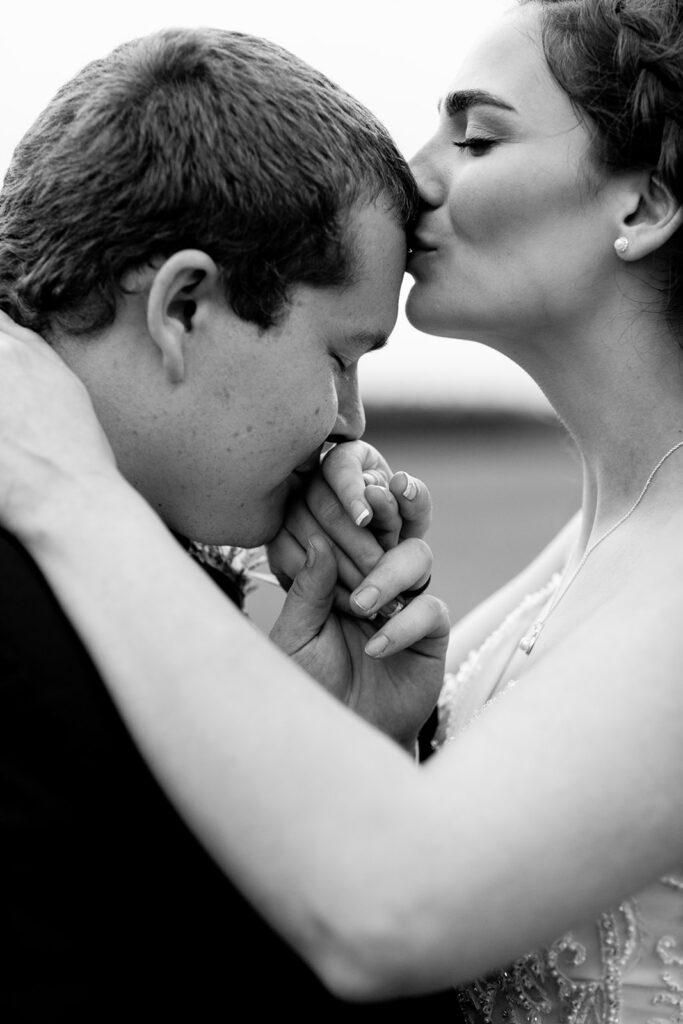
column 422, row 248
column 418, row 244
column 414, row 254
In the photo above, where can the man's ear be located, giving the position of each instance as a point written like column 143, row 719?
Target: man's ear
column 650, row 215
column 179, row 286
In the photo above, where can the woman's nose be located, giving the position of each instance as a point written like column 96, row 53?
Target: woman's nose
column 428, row 176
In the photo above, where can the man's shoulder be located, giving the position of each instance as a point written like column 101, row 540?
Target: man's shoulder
column 37, row 636
column 18, row 570
column 23, row 587
column 13, row 556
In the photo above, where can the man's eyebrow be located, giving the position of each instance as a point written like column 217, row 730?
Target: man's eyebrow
column 457, row 102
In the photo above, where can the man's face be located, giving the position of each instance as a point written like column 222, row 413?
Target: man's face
column 241, row 433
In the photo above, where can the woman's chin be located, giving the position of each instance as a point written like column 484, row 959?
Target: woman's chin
column 424, row 314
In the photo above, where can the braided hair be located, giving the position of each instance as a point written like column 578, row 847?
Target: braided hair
column 621, row 64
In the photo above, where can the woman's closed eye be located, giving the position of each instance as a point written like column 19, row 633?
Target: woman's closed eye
column 476, row 146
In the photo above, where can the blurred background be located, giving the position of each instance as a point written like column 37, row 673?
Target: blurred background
column 473, row 425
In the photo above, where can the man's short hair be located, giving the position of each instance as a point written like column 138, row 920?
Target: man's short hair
column 190, row 138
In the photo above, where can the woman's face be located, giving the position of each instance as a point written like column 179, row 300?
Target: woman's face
column 515, row 234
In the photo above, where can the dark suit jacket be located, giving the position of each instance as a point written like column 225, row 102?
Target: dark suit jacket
column 110, row 910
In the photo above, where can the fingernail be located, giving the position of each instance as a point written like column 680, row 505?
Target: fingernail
column 310, row 555
column 377, row 645
column 366, row 598
column 360, row 512
column 410, row 489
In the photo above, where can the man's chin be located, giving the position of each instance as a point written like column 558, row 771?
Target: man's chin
column 280, row 505
column 260, row 530
column 269, row 536
column 264, row 522
column 254, row 523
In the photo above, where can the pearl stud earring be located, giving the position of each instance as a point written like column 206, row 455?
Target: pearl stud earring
column 621, row 245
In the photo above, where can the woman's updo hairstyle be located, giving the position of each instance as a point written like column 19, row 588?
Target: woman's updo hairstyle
column 621, row 64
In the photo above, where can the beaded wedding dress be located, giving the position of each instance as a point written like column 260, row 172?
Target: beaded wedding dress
column 624, row 968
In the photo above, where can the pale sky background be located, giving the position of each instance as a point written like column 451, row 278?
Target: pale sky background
column 396, row 57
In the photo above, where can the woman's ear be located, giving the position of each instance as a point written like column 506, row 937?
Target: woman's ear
column 180, row 284
column 650, row 218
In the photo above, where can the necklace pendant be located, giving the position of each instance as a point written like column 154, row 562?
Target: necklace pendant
column 526, row 644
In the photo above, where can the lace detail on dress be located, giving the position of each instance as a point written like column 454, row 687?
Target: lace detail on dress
column 668, row 950
column 619, row 969
column 457, row 685
column 538, row 988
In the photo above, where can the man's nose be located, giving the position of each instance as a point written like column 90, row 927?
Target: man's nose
column 350, row 424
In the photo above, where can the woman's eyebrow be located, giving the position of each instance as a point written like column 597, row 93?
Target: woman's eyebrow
column 457, row 102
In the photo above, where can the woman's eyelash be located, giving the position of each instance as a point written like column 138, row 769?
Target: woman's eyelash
column 474, row 144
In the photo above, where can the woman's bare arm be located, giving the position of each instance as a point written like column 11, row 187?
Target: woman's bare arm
column 389, row 878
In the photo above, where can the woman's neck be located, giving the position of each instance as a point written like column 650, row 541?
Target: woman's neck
column 618, row 388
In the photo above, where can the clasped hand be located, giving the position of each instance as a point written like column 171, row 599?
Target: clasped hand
column 349, row 618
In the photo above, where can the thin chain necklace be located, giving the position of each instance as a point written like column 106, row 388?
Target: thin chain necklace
column 526, row 644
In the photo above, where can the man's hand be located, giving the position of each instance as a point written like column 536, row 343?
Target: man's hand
column 389, row 671
column 350, row 554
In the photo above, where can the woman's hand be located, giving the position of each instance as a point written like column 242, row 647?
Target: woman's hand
column 394, row 507
column 354, row 470
column 49, row 433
